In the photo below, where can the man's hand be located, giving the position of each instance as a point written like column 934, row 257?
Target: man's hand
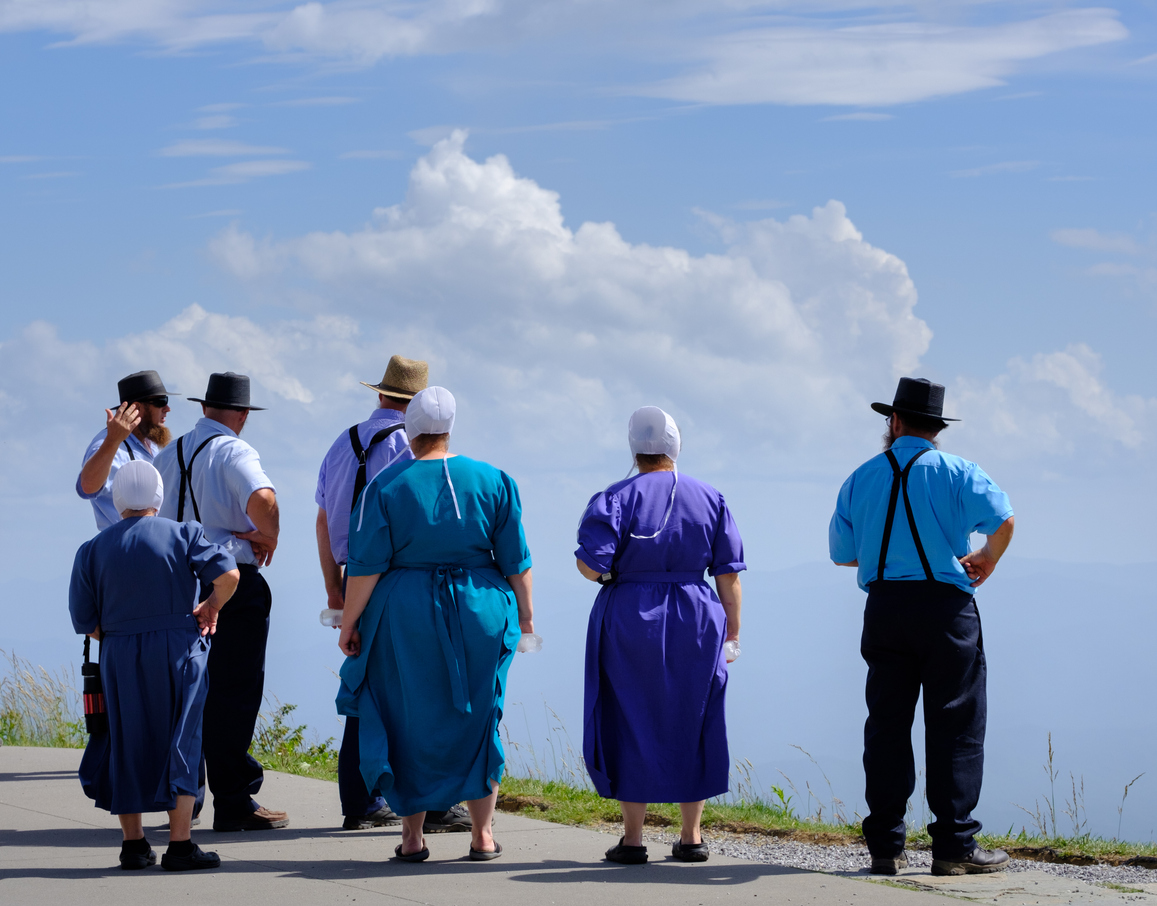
column 980, row 563
column 123, row 422
column 263, row 545
column 206, row 615
column 334, row 600
column 350, row 640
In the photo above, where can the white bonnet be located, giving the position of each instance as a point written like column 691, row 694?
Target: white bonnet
column 431, row 411
column 652, row 430
column 137, row 486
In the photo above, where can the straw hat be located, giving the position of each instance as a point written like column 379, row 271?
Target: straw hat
column 403, row 378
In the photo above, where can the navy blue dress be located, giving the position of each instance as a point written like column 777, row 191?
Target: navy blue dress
column 137, row 580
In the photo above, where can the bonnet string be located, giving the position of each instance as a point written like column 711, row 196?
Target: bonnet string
column 446, row 469
column 667, row 515
column 365, row 493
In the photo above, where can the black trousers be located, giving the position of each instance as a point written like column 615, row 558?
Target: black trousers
column 236, row 688
column 923, row 634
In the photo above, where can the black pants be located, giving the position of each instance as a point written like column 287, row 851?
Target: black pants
column 923, row 634
column 236, row 687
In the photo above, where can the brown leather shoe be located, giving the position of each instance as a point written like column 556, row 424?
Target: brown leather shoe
column 979, row 861
column 262, row 819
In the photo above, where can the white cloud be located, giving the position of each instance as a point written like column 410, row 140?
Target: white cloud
column 1096, row 241
column 727, row 52
column 231, row 174
column 1007, row 166
column 19, row 159
column 217, row 147
column 892, row 63
column 56, row 174
column 215, row 121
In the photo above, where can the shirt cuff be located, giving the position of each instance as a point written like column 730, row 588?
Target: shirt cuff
column 590, row 561
column 520, row 567
column 353, row 568
column 84, row 496
column 724, row 568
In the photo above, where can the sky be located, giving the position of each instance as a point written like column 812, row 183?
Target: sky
column 757, row 215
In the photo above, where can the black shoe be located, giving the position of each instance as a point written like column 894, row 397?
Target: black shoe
column 383, row 817
column 690, row 852
column 135, row 861
column 627, row 855
column 262, row 819
column 980, row 861
column 452, row 821
column 197, row 859
column 886, row 866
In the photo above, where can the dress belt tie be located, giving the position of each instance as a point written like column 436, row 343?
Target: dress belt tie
column 662, row 577
column 448, row 623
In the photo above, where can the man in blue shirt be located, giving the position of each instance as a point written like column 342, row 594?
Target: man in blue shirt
column 904, row 519
column 353, row 460
column 134, row 430
column 216, row 479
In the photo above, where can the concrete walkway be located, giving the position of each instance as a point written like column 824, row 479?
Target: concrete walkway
column 55, row 847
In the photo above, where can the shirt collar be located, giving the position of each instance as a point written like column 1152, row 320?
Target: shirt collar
column 909, row 440
column 215, row 426
column 391, row 415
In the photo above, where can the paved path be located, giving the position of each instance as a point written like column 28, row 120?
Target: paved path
column 55, row 847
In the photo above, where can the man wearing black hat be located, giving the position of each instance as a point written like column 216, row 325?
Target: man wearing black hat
column 134, row 430
column 213, row 477
column 904, row 519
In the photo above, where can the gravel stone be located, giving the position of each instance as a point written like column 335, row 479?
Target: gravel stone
column 854, row 860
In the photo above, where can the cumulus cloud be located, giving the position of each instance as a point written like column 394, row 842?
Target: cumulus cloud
column 723, row 53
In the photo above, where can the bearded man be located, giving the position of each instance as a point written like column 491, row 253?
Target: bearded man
column 135, row 430
column 922, row 627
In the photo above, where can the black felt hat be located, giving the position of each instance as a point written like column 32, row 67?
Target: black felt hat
column 917, row 396
column 140, row 386
column 227, row 391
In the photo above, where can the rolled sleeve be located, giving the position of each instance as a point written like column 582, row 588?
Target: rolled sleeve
column 370, row 545
column 509, row 540
column 986, row 506
column 82, row 603
column 245, row 475
column 207, row 560
column 600, row 531
column 841, row 536
column 727, row 547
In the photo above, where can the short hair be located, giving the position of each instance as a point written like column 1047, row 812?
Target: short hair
column 653, row 460
column 926, row 423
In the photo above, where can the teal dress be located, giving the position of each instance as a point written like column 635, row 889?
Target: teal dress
column 439, row 632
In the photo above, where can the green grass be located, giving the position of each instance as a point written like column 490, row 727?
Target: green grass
column 38, row 708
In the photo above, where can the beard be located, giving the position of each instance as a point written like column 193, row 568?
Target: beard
column 159, row 434
column 889, row 438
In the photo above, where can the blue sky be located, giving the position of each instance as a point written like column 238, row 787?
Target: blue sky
column 755, row 214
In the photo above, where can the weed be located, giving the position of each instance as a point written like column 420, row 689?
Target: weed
column 38, row 708
column 281, row 747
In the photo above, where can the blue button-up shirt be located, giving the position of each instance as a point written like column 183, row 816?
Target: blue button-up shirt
column 102, row 505
column 335, row 479
column 224, row 475
column 951, row 498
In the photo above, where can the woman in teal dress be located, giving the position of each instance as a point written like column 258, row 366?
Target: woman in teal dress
column 438, row 593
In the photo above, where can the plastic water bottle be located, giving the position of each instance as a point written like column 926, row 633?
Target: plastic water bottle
column 731, row 650
column 530, row 642
column 330, row 617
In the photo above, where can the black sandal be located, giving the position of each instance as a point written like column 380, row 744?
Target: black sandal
column 627, row 855
column 482, row 855
column 690, row 852
column 420, row 856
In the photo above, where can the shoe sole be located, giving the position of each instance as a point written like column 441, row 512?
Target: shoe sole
column 237, row 828
column 444, row 828
column 138, row 865
column 890, row 867
column 168, row 866
column 955, row 869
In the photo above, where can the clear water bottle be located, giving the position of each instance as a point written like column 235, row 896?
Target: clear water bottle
column 530, row 642
column 332, row 618
column 731, row 650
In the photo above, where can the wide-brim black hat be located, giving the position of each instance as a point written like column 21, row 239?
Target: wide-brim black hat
column 141, row 385
column 227, row 391
column 916, row 396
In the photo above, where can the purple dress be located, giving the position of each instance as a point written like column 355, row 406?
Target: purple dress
column 654, row 728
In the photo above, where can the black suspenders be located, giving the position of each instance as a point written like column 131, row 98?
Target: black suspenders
column 187, row 477
column 129, row 450
column 360, row 480
column 900, row 480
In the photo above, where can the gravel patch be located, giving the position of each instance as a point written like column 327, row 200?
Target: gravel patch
column 854, row 860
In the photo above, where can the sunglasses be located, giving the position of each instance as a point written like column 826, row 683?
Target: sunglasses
column 159, row 401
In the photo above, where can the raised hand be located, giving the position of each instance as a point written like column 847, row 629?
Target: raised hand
column 263, row 545
column 123, row 422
